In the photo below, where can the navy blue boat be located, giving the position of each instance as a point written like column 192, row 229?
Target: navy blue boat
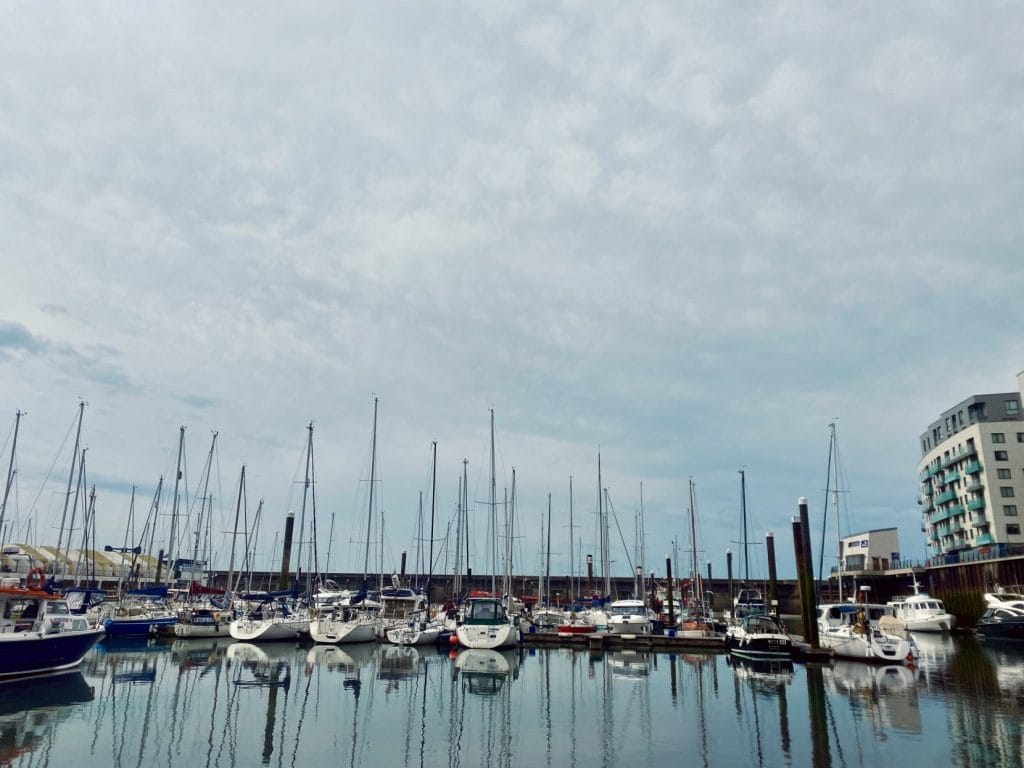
column 142, row 613
column 39, row 634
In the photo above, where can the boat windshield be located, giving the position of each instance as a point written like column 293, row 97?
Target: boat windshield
column 485, row 610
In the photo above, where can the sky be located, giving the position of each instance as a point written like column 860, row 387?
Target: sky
column 686, row 236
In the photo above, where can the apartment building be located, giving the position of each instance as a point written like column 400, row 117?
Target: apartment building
column 972, row 477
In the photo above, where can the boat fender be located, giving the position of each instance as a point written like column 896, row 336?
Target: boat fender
column 35, row 577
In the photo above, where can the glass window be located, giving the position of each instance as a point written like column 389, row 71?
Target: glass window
column 1006, row 491
column 998, row 437
column 1012, row 407
column 1003, row 474
column 1001, row 456
column 1010, row 510
column 1020, row 437
column 1013, row 529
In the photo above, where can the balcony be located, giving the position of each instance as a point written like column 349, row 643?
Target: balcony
column 979, row 520
column 974, row 484
column 955, row 509
column 984, row 540
column 945, row 496
column 938, row 516
column 973, row 468
column 975, row 504
column 927, row 506
column 950, row 477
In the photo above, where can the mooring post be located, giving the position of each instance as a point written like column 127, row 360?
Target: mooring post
column 773, row 586
column 286, row 552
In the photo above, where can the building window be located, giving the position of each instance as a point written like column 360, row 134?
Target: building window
column 1013, row 529
column 1001, row 456
column 1010, row 510
column 1020, row 437
column 1012, row 407
column 1003, row 473
column 1006, row 491
column 998, row 437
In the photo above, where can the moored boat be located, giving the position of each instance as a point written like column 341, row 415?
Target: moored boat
column 920, row 612
column 486, row 625
column 39, row 634
column 1002, row 623
column 759, row 636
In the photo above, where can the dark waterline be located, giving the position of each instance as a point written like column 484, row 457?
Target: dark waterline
column 219, row 703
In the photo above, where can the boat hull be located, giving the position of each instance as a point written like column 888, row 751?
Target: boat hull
column 336, row 631
column 140, row 626
column 488, row 637
column 268, row 630
column 35, row 653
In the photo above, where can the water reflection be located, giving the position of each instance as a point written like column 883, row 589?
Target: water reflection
column 31, row 711
column 224, row 704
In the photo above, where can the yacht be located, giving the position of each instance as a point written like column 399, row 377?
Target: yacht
column 486, row 625
column 1002, row 623
column 759, row 635
column 865, row 631
column 629, row 617
column 921, row 612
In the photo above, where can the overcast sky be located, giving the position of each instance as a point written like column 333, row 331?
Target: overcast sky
column 687, row 236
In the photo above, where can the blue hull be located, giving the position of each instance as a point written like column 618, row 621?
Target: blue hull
column 31, row 654
column 142, row 627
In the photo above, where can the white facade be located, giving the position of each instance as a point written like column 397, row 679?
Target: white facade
column 972, row 478
column 876, row 550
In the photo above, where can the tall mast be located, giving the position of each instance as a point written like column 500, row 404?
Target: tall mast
column 494, row 515
column 694, row 567
column 743, row 513
column 465, row 514
column 234, row 532
column 174, row 509
column 305, row 494
column 433, row 495
column 71, row 477
column 204, row 501
column 572, row 569
column 547, row 561
column 10, row 473
column 369, row 511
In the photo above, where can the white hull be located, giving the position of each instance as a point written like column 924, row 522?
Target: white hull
column 943, row 623
column 336, row 631
column 193, row 631
column 488, row 636
column 268, row 630
column 874, row 646
column 629, row 625
column 416, row 634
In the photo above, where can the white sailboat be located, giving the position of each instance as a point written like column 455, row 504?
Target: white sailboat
column 486, row 623
column 351, row 621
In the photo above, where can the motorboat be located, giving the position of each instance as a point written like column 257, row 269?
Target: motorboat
column 748, row 601
column 864, row 631
column 1002, row 623
column 1001, row 597
column 38, row 633
column 921, row 612
column 759, row 635
column 486, row 625
column 629, row 617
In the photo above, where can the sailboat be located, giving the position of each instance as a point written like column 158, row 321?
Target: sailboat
column 348, row 621
column 749, row 600
column 858, row 630
column 486, row 623
column 420, row 628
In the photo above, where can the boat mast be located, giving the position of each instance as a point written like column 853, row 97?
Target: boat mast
column 204, row 500
column 67, row 495
column 494, row 515
column 433, row 496
column 465, row 516
column 302, row 512
column 10, row 474
column 234, row 534
column 547, row 562
column 694, row 568
column 369, row 511
column 572, row 568
column 172, row 543
column 743, row 513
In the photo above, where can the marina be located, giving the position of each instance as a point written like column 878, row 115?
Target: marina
column 216, row 702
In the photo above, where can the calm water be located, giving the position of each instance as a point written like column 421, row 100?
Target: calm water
column 218, row 703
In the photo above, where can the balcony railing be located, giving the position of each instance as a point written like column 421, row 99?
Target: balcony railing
column 976, row 504
column 984, row 540
column 972, row 468
column 955, row 509
column 945, row 496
